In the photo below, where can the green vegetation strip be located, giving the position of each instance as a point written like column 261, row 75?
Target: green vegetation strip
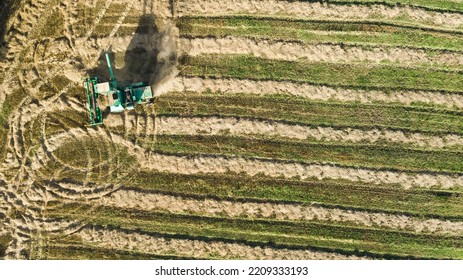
column 346, row 32
column 344, row 154
column 298, row 110
column 244, row 66
column 318, row 235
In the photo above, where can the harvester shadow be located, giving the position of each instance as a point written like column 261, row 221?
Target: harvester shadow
column 140, row 62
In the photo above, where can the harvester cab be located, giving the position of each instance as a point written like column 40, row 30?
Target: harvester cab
column 120, row 98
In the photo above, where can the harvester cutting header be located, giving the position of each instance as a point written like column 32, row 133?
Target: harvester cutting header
column 120, row 97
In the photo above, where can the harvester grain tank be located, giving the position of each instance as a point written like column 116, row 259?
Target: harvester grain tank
column 120, row 97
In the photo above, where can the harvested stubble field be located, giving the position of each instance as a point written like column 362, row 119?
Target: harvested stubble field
column 280, row 130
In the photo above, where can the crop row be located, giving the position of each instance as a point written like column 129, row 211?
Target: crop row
column 321, row 31
column 149, row 201
column 260, row 129
column 243, row 66
column 202, row 247
column 346, row 154
column 279, row 232
column 305, row 9
column 452, row 5
column 436, row 99
column 64, row 251
column 362, row 197
column 298, row 110
column 331, row 53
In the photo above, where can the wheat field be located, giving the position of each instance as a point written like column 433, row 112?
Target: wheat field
column 280, row 130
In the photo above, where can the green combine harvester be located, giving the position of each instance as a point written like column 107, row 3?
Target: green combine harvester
column 120, row 97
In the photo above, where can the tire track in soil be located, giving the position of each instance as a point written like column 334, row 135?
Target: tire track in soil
column 26, row 111
column 27, row 227
column 20, row 191
column 26, row 19
column 70, row 190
